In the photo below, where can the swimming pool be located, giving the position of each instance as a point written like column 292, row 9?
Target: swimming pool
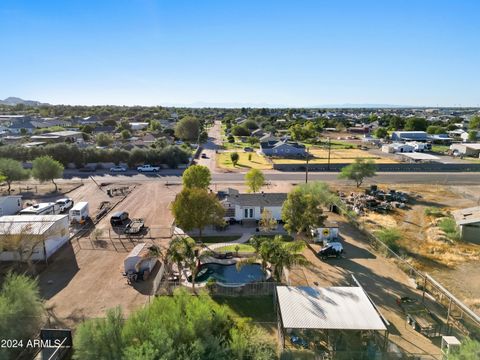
column 229, row 274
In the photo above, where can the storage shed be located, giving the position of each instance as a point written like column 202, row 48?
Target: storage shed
column 139, row 259
column 469, row 222
column 32, row 237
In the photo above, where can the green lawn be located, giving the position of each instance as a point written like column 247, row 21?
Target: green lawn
column 258, row 308
column 216, row 239
column 440, row 148
column 244, row 248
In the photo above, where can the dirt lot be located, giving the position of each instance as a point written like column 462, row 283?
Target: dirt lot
column 338, row 156
column 448, row 262
column 85, row 278
column 380, row 277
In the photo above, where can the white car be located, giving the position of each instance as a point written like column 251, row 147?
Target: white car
column 148, row 168
column 64, row 204
column 118, row 169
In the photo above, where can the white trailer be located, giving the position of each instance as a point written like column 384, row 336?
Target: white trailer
column 139, row 260
column 49, row 208
column 10, row 205
column 79, row 213
column 327, row 233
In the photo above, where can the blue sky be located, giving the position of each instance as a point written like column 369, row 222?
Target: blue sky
column 291, row 53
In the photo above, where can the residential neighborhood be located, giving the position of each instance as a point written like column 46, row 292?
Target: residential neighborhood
column 239, row 180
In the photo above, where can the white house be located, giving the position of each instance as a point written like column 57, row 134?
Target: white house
column 465, row 149
column 44, row 234
column 250, row 206
column 397, row 148
column 10, row 205
column 139, row 125
column 468, row 220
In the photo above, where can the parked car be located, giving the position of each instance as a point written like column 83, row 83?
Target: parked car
column 148, row 168
column 118, row 168
column 247, row 149
column 65, row 204
column 333, row 249
column 119, row 218
column 204, row 156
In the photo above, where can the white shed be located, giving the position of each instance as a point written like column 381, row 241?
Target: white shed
column 10, row 205
column 139, row 259
column 40, row 236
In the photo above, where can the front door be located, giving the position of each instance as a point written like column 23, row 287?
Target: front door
column 248, row 213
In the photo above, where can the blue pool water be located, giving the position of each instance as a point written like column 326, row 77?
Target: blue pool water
column 229, row 274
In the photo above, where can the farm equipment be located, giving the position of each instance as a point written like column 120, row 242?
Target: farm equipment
column 420, row 318
column 135, row 226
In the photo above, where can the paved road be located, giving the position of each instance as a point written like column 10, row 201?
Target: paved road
column 174, row 176
column 209, row 148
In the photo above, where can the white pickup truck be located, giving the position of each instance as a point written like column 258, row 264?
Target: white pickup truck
column 148, row 168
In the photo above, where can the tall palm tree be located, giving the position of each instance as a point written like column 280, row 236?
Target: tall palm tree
column 278, row 253
column 182, row 250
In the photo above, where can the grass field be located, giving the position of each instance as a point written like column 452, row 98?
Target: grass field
column 258, row 308
column 257, row 161
column 336, row 156
column 216, row 239
column 243, row 248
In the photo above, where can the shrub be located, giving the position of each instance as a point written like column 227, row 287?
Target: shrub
column 434, row 212
column 450, row 228
column 390, row 237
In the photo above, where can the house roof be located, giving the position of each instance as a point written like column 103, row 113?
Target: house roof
column 346, row 308
column 260, row 199
column 467, row 216
column 28, row 224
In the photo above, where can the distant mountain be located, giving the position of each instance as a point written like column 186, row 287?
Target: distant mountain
column 15, row 101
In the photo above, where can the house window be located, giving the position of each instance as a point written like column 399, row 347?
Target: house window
column 246, row 213
column 251, row 213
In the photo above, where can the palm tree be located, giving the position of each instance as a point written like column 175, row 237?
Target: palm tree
column 182, row 250
column 277, row 253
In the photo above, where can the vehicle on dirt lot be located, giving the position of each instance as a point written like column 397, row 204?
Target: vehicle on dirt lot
column 204, row 156
column 148, row 168
column 333, row 249
column 118, row 169
column 65, row 204
column 135, row 226
column 247, row 149
column 119, row 218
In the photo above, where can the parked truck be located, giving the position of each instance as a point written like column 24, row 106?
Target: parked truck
column 148, row 168
column 79, row 213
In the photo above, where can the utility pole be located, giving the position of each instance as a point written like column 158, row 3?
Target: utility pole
column 306, row 167
column 329, row 148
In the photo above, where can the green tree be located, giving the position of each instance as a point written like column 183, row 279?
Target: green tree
column 12, row 170
column 474, row 123
column 188, row 128
column 472, row 135
column 104, row 139
column 154, row 126
column 240, row 130
column 126, row 134
column 251, row 124
column 396, row 122
column 234, row 157
column 207, row 330
column 302, row 211
column 196, row 208
column 254, row 179
column 21, row 311
column 380, row 133
column 267, row 221
column 197, row 176
column 281, row 255
column 45, row 168
column 358, row 171
column 416, row 124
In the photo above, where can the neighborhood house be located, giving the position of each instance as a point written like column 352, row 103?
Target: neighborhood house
column 250, row 206
column 282, row 148
column 469, row 222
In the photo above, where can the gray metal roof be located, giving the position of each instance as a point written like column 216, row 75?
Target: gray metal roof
column 28, row 224
column 260, row 199
column 467, row 216
column 346, row 308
